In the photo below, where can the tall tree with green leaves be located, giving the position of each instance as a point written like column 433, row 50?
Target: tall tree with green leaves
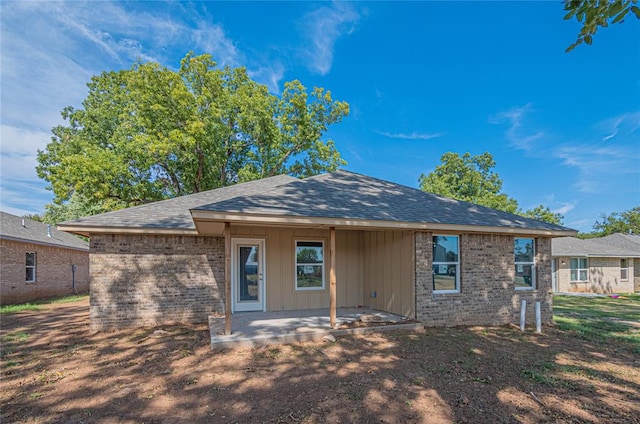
column 472, row 179
column 595, row 14
column 618, row 222
column 543, row 213
column 468, row 178
column 149, row 133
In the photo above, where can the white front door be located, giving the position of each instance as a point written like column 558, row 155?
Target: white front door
column 247, row 274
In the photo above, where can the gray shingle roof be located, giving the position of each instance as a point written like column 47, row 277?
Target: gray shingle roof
column 615, row 245
column 347, row 195
column 174, row 213
column 338, row 195
column 11, row 228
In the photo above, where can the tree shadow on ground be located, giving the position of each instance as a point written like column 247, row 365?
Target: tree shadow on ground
column 55, row 370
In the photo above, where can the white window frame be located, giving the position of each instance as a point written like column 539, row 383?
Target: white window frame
column 34, row 266
column 578, row 269
column 624, row 270
column 296, row 264
column 533, row 264
column 456, row 263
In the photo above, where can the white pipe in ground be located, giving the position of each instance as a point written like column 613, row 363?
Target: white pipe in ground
column 523, row 313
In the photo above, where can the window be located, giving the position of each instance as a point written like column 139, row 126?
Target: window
column 30, row 262
column 525, row 254
column 309, row 265
column 579, row 269
column 624, row 269
column 446, row 264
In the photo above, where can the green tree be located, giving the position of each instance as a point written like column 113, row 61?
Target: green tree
column 34, row 216
column 593, row 14
column 468, row 178
column 619, row 222
column 472, row 179
column 149, row 133
column 543, row 213
column 76, row 207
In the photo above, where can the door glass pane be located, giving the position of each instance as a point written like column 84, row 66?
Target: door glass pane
column 248, row 273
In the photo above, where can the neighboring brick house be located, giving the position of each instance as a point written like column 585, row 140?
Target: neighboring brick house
column 36, row 260
column 333, row 240
column 608, row 264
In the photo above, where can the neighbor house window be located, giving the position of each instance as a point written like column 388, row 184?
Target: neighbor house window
column 446, row 264
column 30, row 262
column 579, row 269
column 309, row 265
column 525, row 254
column 624, row 269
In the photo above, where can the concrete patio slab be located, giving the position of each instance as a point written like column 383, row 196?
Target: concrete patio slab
column 255, row 329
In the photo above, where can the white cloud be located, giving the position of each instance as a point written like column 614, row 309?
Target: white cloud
column 212, row 39
column 50, row 50
column 608, row 157
column 269, row 75
column 519, row 136
column 599, row 165
column 564, row 209
column 322, row 28
column 20, row 187
column 411, row 136
column 24, row 196
column 621, row 126
column 600, row 160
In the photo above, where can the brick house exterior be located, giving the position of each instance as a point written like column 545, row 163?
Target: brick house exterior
column 53, row 254
column 487, row 295
column 172, row 261
column 143, row 280
column 609, row 264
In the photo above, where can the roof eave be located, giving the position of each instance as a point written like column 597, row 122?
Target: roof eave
column 42, row 243
column 347, row 223
column 87, row 230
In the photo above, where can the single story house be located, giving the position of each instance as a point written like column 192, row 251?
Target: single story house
column 328, row 241
column 609, row 264
column 39, row 261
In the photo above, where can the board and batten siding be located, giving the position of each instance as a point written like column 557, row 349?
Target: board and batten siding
column 366, row 261
column 389, row 271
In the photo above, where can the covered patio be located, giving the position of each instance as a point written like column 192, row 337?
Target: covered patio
column 255, row 329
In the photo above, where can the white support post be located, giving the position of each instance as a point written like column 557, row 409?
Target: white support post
column 523, row 314
column 538, row 318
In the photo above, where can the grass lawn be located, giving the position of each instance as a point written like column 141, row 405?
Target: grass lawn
column 36, row 305
column 583, row 369
column 600, row 319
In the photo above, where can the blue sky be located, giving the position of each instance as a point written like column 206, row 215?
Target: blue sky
column 422, row 79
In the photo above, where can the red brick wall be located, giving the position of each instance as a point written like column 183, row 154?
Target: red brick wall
column 53, row 271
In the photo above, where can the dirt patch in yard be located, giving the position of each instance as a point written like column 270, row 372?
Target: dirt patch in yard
column 54, row 370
